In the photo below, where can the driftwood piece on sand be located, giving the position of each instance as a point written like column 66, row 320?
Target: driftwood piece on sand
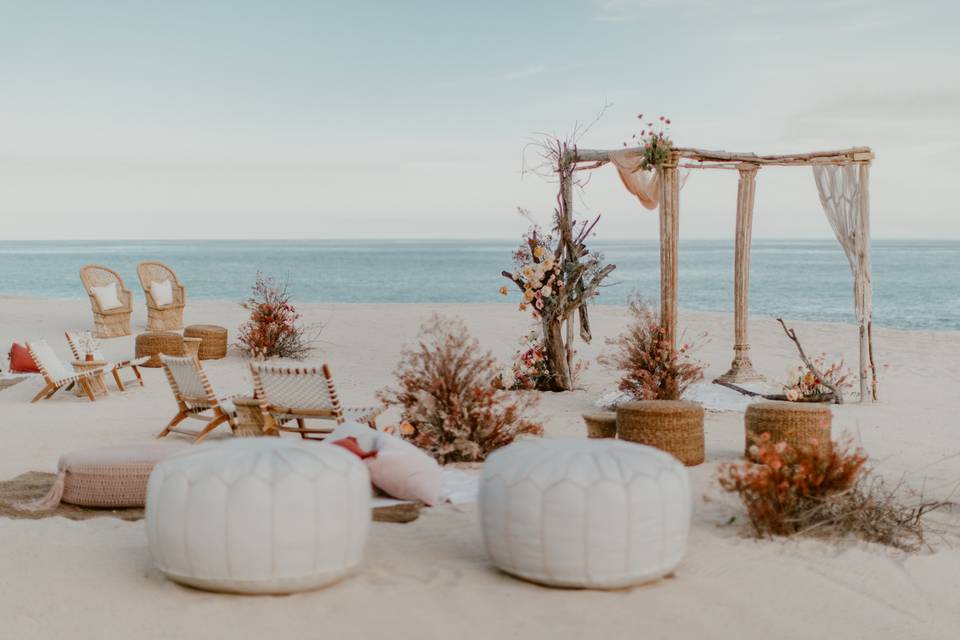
column 828, row 397
column 837, row 394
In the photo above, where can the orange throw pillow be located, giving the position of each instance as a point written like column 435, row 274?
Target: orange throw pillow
column 21, row 361
column 351, row 445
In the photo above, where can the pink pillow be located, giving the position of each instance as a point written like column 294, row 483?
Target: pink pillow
column 405, row 472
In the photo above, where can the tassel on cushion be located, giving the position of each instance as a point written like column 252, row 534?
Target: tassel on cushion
column 49, row 501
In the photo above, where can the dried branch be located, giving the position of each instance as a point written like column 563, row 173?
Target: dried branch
column 837, row 394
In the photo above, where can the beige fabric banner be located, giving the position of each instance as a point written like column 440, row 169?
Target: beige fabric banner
column 643, row 184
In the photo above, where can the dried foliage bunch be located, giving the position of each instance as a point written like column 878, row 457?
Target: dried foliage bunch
column 651, row 369
column 790, row 490
column 274, row 329
column 451, row 407
column 656, row 143
column 806, row 386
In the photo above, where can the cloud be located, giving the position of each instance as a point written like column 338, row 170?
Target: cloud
column 524, row 72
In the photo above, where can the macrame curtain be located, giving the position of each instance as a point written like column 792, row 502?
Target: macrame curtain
column 643, row 184
column 844, row 194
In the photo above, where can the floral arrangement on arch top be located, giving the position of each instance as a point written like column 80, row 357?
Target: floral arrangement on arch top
column 655, row 143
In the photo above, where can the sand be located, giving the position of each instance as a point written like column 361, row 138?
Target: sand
column 431, row 578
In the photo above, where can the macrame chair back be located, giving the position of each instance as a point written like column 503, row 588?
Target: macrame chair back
column 297, row 390
column 47, row 361
column 188, row 381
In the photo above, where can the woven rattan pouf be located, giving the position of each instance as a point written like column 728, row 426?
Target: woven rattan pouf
column 213, row 340
column 602, row 424
column 674, row 426
column 599, row 514
column 106, row 477
column 258, row 515
column 153, row 343
column 799, row 424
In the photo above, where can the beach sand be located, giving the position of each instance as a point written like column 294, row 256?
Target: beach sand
column 431, row 578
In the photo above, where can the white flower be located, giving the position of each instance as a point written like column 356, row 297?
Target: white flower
column 547, row 291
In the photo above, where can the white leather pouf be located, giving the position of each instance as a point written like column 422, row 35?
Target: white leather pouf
column 599, row 514
column 258, row 515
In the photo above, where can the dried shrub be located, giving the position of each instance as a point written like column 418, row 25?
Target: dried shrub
column 450, row 406
column 651, row 368
column 799, row 490
column 274, row 329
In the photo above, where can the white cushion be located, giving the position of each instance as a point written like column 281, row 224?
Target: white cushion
column 366, row 436
column 107, row 296
column 48, row 360
column 258, row 515
column 404, row 471
column 162, row 292
column 584, row 513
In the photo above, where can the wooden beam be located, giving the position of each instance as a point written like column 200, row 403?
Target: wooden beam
column 842, row 156
column 669, row 239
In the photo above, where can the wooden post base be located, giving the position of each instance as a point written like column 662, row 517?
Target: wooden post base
column 741, row 369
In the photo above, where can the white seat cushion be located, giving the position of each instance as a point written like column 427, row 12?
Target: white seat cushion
column 107, row 296
column 584, row 513
column 258, row 515
column 48, row 360
column 162, row 292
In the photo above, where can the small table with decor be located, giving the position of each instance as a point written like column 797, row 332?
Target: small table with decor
column 97, row 383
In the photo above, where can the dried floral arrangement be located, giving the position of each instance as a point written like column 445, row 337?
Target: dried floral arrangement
column 651, row 369
column 655, row 143
column 450, row 405
column 274, row 329
column 556, row 279
column 789, row 490
column 806, row 386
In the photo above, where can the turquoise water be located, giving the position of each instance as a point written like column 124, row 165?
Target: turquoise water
column 916, row 283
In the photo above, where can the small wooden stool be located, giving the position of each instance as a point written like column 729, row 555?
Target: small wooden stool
column 153, row 343
column 249, row 417
column 213, row 345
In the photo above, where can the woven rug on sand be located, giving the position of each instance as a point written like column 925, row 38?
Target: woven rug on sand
column 34, row 485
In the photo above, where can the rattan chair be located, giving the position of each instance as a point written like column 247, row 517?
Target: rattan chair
column 57, row 375
column 74, row 340
column 108, row 323
column 302, row 393
column 195, row 397
column 167, row 317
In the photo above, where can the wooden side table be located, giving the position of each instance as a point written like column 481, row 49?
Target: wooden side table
column 249, row 417
column 97, row 382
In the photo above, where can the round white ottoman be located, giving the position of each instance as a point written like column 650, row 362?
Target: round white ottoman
column 258, row 515
column 596, row 514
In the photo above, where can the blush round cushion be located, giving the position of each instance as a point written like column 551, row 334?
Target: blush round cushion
column 258, row 515
column 105, row 477
column 597, row 514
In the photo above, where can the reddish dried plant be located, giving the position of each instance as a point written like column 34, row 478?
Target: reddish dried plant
column 651, row 368
column 274, row 329
column 450, row 405
column 783, row 486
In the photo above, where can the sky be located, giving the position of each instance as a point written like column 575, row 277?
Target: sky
column 411, row 119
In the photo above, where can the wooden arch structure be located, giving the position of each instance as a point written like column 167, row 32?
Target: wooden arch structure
column 854, row 235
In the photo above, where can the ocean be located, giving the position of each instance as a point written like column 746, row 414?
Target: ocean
column 916, row 283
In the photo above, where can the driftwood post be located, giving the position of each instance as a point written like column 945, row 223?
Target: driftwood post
column 669, row 238
column 866, row 286
column 741, row 369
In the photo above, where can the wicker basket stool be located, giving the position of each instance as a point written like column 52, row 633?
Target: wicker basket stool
column 153, row 343
column 213, row 345
column 674, row 426
column 602, row 424
column 795, row 423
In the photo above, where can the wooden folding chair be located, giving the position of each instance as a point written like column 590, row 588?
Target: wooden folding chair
column 301, row 394
column 57, row 375
column 74, row 340
column 195, row 397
